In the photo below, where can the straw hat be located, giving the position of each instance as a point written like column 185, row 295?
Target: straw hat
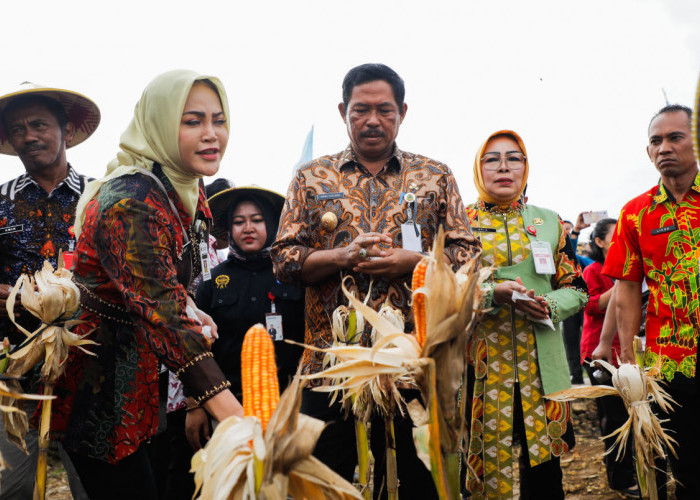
column 80, row 111
column 220, row 203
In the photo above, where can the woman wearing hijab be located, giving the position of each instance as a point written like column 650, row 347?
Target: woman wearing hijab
column 139, row 234
column 517, row 352
column 243, row 290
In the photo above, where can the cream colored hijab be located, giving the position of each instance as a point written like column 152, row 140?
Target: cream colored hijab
column 152, row 136
column 479, row 178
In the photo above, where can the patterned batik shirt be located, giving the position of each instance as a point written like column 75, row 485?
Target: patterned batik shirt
column 127, row 257
column 364, row 203
column 34, row 226
column 658, row 239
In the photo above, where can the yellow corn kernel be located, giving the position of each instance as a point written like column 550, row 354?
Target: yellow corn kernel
column 259, row 375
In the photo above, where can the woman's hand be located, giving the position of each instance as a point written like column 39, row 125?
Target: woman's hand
column 503, row 293
column 204, row 319
column 197, row 428
column 223, row 405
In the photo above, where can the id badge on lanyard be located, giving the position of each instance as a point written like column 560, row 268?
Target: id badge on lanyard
column 273, row 321
column 410, row 230
column 542, row 255
column 204, row 259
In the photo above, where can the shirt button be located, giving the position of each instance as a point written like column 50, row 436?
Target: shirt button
column 221, row 301
column 253, row 299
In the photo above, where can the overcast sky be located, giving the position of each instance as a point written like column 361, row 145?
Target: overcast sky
column 578, row 80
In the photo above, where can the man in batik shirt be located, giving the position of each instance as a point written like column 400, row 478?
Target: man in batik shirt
column 367, row 212
column 657, row 238
column 37, row 211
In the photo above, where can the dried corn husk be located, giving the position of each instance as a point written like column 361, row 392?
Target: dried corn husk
column 637, row 391
column 374, row 371
column 225, row 467
column 452, row 314
column 368, row 375
column 52, row 297
column 437, row 367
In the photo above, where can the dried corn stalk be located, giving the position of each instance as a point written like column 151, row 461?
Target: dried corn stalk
column 241, row 461
column 638, row 391
column 449, row 317
column 52, row 297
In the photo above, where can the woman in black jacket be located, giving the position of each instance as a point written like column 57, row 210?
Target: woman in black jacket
column 243, row 291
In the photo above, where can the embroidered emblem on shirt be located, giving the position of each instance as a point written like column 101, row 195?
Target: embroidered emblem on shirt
column 222, row 281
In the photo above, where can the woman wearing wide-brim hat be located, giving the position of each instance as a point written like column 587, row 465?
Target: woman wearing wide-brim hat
column 243, row 290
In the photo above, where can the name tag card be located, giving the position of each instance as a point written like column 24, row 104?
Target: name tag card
column 11, row 229
column 204, row 257
column 411, row 240
column 273, row 324
column 542, row 254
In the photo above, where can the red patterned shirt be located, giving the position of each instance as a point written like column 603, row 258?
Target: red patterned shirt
column 127, row 256
column 658, row 239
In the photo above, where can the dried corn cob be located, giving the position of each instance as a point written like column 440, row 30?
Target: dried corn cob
column 261, row 391
column 419, row 310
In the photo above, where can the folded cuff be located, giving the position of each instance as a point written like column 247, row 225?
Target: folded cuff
column 202, row 378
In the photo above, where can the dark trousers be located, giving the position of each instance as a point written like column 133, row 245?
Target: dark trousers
column 572, row 344
column 682, row 425
column 337, row 448
column 612, row 414
column 171, row 459
column 543, row 481
column 131, row 478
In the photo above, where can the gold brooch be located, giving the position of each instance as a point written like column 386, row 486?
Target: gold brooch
column 329, row 221
column 221, row 281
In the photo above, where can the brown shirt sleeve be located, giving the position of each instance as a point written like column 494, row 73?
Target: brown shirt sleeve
column 293, row 244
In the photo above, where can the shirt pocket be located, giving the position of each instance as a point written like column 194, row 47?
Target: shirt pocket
column 224, row 298
column 283, row 291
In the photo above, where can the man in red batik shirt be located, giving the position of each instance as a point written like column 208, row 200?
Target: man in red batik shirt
column 657, row 239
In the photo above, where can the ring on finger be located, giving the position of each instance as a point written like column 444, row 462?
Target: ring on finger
column 362, row 253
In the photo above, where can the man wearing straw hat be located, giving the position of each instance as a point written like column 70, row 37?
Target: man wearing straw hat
column 38, row 124
column 657, row 238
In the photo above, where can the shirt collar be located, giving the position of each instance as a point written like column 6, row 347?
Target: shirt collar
column 662, row 194
column 349, row 160
column 515, row 206
column 72, row 182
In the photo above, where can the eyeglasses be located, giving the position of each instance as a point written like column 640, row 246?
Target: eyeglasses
column 492, row 161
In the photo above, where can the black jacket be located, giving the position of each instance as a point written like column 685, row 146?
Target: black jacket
column 237, row 297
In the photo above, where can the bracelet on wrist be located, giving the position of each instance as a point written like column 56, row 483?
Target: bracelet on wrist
column 575, row 233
